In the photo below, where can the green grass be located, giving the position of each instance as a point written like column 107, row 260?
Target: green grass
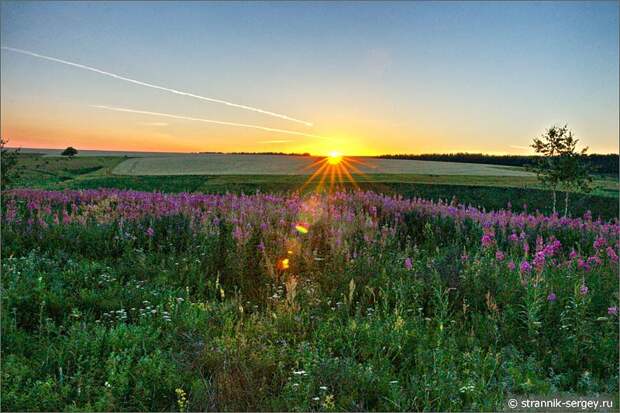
column 490, row 192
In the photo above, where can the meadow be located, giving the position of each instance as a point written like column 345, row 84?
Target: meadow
column 143, row 301
column 491, row 192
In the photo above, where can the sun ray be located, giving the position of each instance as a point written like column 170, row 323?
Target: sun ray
column 334, row 170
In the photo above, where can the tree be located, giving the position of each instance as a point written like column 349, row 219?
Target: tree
column 8, row 163
column 70, row 152
column 560, row 166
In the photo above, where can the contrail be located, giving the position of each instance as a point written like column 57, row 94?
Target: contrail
column 167, row 89
column 218, row 122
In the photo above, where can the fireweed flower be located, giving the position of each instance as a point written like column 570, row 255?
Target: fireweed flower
column 525, row 267
column 599, row 243
column 487, row 240
column 408, row 263
column 572, row 254
column 612, row 310
column 582, row 265
column 583, row 290
column 552, row 297
column 594, row 260
column 511, row 265
column 499, row 255
column 150, row 232
column 539, row 260
column 612, row 254
column 464, row 258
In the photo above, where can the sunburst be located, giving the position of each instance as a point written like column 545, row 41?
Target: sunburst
column 333, row 172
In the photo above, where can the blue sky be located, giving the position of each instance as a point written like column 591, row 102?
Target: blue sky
column 372, row 77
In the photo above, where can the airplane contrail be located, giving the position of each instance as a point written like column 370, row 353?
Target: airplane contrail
column 151, row 85
column 218, row 122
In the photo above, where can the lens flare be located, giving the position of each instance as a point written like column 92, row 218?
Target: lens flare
column 283, row 264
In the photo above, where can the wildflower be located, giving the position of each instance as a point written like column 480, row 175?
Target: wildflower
column 394, row 382
column 582, row 265
column 464, row 258
column 511, row 265
column 323, row 388
column 487, row 240
column 316, row 399
column 612, row 310
column 599, row 243
column 539, row 260
column 594, row 260
column 612, row 254
column 150, row 232
column 301, row 229
column 552, row 297
column 499, row 255
column 408, row 263
column 572, row 254
column 513, row 237
column 583, row 290
column 525, row 267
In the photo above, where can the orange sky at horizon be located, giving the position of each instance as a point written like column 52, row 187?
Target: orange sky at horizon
column 155, row 135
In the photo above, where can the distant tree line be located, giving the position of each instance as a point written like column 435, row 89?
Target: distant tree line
column 600, row 163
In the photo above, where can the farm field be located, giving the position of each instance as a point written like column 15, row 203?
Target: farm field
column 221, row 164
column 136, row 301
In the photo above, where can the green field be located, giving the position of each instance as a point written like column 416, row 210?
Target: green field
column 486, row 191
column 221, row 164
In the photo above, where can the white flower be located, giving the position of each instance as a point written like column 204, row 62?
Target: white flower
column 323, row 387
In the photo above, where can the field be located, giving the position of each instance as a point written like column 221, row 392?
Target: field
column 217, row 164
column 484, row 191
column 134, row 301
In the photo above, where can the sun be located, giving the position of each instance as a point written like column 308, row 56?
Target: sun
column 334, row 171
column 334, row 158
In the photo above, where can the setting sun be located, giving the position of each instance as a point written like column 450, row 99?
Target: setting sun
column 334, row 158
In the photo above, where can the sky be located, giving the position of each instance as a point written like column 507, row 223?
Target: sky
column 361, row 78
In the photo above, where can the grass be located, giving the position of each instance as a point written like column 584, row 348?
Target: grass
column 143, row 302
column 490, row 192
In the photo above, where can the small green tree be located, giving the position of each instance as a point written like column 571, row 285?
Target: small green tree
column 560, row 166
column 70, row 152
column 8, row 164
